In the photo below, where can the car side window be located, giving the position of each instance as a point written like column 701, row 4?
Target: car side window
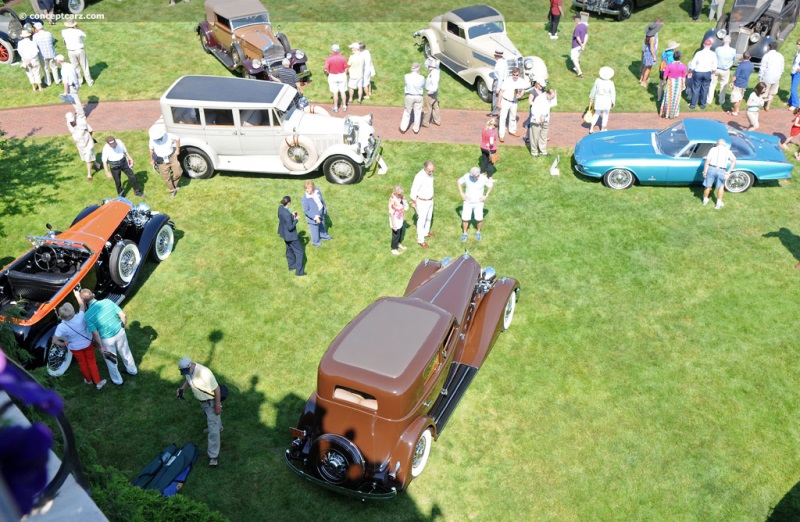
column 186, row 115
column 455, row 30
column 224, row 22
column 699, row 151
column 219, row 117
column 255, row 118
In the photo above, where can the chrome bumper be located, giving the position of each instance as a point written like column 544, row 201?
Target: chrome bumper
column 363, row 495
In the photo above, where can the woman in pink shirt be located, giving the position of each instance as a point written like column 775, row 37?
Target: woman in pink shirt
column 397, row 213
column 488, row 146
column 675, row 83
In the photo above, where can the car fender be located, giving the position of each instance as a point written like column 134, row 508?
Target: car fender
column 430, row 35
column 149, row 234
column 205, row 28
column 42, row 340
column 202, row 145
column 404, row 449
column 339, row 150
column 759, row 49
column 422, row 273
column 487, row 322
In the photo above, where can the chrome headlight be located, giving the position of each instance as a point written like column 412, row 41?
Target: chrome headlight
column 722, row 33
column 256, row 63
column 299, row 55
column 528, row 64
column 489, row 274
column 349, row 132
column 143, row 208
column 755, row 37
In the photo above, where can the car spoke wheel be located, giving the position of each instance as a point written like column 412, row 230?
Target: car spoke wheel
column 508, row 313
column 341, row 170
column 6, row 52
column 124, row 262
column 163, row 244
column 625, row 10
column 57, row 360
column 618, row 179
column 337, row 460
column 196, row 164
column 421, row 453
column 484, row 93
column 426, row 48
column 739, row 181
column 204, row 42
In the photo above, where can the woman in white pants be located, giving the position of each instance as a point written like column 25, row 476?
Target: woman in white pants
column 603, row 97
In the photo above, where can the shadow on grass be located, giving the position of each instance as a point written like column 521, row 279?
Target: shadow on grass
column 791, row 242
column 788, row 509
column 30, row 176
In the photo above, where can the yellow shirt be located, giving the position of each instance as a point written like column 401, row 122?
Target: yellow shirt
column 202, row 379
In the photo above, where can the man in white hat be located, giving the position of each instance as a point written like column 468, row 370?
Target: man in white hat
column 499, row 74
column 430, row 111
column 81, row 133
column 73, row 40
column 414, row 87
column 47, row 51
column 206, row 390
column 164, row 150
column 29, row 54
column 336, row 71
column 512, row 90
column 355, row 67
column 71, row 84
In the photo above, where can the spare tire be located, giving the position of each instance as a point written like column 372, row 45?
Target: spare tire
column 337, row 460
column 298, row 153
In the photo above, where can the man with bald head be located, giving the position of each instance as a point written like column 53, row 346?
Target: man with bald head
column 716, row 170
column 106, row 322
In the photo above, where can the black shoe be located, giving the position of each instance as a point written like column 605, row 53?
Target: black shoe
column 140, row 195
column 300, row 274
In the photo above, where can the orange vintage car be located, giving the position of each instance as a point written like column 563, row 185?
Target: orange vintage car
column 392, row 378
column 239, row 33
column 102, row 250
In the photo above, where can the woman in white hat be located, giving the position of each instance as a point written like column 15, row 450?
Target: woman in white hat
column 82, row 134
column 603, row 97
column 29, row 54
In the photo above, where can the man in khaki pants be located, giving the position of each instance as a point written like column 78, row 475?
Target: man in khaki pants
column 164, row 150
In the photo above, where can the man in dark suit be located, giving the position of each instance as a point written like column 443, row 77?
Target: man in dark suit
column 287, row 229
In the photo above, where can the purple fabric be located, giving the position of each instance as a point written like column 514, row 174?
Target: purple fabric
column 23, row 462
column 580, row 32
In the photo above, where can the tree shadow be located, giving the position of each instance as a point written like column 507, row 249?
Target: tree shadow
column 790, row 241
column 788, row 509
column 31, row 172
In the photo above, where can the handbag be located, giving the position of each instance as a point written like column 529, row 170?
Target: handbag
column 589, row 114
column 223, row 392
column 494, row 157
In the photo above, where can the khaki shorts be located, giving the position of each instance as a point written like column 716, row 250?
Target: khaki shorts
column 737, row 94
column 772, row 89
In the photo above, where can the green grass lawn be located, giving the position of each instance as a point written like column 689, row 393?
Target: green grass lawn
column 649, row 373
column 139, row 59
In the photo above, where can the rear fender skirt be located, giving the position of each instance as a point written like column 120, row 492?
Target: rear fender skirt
column 404, row 449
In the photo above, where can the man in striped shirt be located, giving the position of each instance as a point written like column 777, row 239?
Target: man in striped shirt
column 106, row 322
column 46, row 43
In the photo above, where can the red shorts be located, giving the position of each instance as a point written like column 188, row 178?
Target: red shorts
column 795, row 131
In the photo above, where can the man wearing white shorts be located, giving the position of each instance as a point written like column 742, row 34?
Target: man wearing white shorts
column 473, row 195
column 336, row 71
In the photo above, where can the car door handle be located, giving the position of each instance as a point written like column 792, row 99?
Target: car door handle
column 426, row 404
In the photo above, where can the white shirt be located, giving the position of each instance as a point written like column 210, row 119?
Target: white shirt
column 75, row 332
column 423, row 186
column 369, row 67
column 81, row 133
column 68, row 75
column 432, row 81
column 165, row 146
column 719, row 155
column 415, row 83
column 705, row 60
column 500, row 70
column 27, row 49
column 114, row 153
column 73, row 38
column 771, row 67
column 473, row 188
column 796, row 63
column 510, row 86
column 540, row 108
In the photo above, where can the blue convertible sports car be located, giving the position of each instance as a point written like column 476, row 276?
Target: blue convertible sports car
column 674, row 156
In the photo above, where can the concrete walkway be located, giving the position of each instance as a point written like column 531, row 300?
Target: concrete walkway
column 458, row 126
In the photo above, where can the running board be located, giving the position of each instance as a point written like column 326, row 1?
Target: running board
column 116, row 298
column 458, row 380
column 449, row 63
column 223, row 57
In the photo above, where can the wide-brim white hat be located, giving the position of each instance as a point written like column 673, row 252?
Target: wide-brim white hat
column 157, row 131
column 606, row 73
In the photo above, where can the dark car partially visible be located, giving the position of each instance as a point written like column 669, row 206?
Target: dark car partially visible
column 622, row 9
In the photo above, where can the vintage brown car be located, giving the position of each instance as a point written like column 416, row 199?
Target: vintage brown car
column 391, row 379
column 239, row 33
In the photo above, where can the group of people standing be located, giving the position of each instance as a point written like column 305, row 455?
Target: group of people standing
column 316, row 211
column 37, row 54
column 421, row 103
column 353, row 74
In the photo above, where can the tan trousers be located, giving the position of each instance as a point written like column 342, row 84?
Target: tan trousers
column 412, row 104
column 214, row 423
column 50, row 68
column 430, row 110
column 79, row 61
column 538, row 137
column 171, row 172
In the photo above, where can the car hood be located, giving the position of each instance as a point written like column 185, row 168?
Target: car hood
column 489, row 43
column 258, row 35
column 306, row 123
column 631, row 143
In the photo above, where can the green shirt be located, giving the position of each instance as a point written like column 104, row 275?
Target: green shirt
column 103, row 317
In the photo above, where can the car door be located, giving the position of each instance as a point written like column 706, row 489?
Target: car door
column 687, row 167
column 221, row 132
column 455, row 43
column 222, row 32
column 259, row 130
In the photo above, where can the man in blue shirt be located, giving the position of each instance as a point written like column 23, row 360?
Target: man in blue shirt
column 740, row 80
column 726, row 55
column 106, row 322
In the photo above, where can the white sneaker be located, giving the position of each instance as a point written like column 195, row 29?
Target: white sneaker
column 101, row 384
column 705, row 201
column 719, row 205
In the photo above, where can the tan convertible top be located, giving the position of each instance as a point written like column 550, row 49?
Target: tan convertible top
column 233, row 8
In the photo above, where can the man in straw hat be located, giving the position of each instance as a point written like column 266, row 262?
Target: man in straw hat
column 499, row 74
column 29, row 54
column 73, row 40
column 414, row 87
column 71, row 333
column 430, row 110
column 164, row 150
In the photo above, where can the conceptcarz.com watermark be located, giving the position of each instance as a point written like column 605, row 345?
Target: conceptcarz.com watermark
column 62, row 16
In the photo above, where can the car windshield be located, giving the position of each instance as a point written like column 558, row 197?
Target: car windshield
column 487, row 28
column 740, row 145
column 258, row 19
column 672, row 139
